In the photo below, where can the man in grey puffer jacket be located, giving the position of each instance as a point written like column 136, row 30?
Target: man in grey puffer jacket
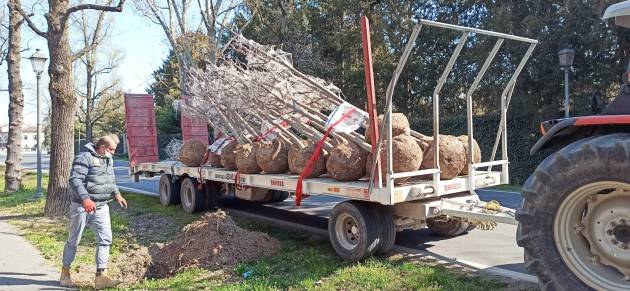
column 93, row 186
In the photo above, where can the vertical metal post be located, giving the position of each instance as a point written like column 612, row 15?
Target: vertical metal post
column 566, row 92
column 39, row 193
column 371, row 95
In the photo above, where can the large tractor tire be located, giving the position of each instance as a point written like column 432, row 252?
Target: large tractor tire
column 574, row 222
column 448, row 227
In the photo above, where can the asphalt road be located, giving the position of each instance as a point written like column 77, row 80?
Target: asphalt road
column 29, row 160
column 481, row 249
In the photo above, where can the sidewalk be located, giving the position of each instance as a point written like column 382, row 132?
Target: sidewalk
column 21, row 265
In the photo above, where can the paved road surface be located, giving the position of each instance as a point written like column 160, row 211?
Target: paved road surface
column 21, row 265
column 495, row 248
column 29, row 160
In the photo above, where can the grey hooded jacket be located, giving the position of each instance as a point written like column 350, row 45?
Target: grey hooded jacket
column 92, row 177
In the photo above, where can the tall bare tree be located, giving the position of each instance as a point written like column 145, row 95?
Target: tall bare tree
column 95, row 87
column 13, row 170
column 181, row 26
column 62, row 95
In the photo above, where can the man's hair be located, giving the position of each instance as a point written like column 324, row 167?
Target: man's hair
column 106, row 140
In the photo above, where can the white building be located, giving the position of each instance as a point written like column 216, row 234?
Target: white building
column 29, row 138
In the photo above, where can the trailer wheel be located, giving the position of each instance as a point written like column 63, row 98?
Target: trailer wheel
column 385, row 218
column 169, row 190
column 193, row 200
column 574, row 222
column 213, row 194
column 447, row 226
column 277, row 196
column 353, row 230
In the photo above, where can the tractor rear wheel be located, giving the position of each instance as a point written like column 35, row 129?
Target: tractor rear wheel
column 574, row 223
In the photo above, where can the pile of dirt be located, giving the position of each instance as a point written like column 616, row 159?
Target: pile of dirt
column 211, row 242
column 149, row 226
column 134, row 266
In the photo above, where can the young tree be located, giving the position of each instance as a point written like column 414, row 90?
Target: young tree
column 62, row 95
column 95, row 88
column 13, row 171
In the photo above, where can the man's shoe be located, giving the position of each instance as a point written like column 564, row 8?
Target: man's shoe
column 65, row 280
column 102, row 281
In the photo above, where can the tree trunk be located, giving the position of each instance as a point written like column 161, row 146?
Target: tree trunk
column 13, row 171
column 64, row 104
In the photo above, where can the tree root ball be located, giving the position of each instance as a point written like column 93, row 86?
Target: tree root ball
column 245, row 156
column 215, row 160
column 400, row 126
column 452, row 157
column 476, row 153
column 192, row 153
column 228, row 159
column 407, row 156
column 299, row 157
column 347, row 162
column 273, row 157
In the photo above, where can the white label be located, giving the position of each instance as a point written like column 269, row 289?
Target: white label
column 352, row 118
column 218, row 145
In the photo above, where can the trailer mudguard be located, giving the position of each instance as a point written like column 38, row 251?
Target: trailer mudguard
column 569, row 129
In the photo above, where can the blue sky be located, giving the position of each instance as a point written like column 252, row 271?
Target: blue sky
column 143, row 46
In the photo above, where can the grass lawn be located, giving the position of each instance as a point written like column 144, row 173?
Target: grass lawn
column 305, row 261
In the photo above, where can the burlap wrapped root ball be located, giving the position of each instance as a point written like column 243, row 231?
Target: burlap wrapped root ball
column 192, row 153
column 476, row 154
column 215, row 160
column 245, row 156
column 228, row 159
column 299, row 157
column 273, row 156
column 452, row 157
column 407, row 157
column 347, row 162
column 400, row 126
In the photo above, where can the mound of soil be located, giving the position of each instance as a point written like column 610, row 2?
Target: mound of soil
column 214, row 241
column 133, row 266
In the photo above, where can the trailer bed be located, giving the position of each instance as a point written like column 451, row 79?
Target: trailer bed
column 410, row 191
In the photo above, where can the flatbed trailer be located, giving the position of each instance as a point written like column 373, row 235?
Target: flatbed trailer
column 367, row 222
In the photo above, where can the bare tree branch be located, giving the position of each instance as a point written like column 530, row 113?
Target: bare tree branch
column 30, row 22
column 117, row 8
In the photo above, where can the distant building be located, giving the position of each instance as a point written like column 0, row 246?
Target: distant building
column 29, row 138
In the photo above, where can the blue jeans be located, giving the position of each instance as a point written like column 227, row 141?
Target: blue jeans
column 100, row 224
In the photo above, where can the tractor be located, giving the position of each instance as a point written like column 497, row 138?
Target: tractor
column 574, row 221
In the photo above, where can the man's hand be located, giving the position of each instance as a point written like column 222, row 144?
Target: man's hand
column 88, row 205
column 121, row 201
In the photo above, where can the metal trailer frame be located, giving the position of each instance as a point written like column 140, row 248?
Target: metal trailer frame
column 415, row 200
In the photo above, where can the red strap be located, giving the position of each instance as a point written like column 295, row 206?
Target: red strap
column 315, row 156
column 237, row 181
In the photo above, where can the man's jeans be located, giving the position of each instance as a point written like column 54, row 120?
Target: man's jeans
column 99, row 223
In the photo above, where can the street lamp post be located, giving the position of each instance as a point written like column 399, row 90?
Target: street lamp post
column 38, row 61
column 566, row 61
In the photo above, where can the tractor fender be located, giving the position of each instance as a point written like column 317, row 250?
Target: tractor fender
column 568, row 129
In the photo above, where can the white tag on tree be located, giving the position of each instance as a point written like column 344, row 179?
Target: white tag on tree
column 219, row 144
column 346, row 118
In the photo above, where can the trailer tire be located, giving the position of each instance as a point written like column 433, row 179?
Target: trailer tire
column 169, row 190
column 564, row 201
column 447, row 227
column 277, row 196
column 385, row 218
column 213, row 194
column 353, row 230
column 193, row 199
